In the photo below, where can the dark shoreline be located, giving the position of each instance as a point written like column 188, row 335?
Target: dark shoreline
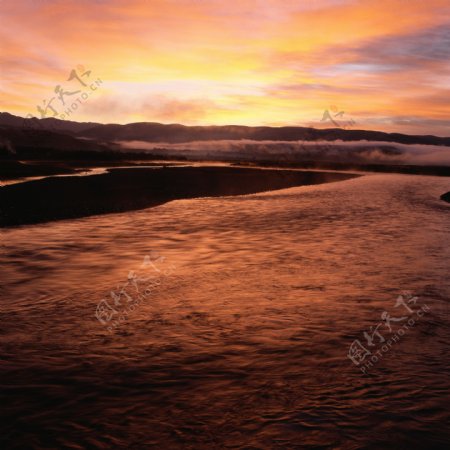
column 13, row 169
column 122, row 190
column 408, row 169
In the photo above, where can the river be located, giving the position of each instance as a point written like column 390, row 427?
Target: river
column 227, row 322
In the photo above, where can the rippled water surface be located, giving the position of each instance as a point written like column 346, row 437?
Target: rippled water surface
column 242, row 339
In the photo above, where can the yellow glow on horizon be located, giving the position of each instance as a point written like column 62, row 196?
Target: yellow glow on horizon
column 256, row 62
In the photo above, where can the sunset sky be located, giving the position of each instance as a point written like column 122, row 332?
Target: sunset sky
column 385, row 63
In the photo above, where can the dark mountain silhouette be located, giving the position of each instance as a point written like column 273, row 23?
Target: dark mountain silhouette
column 40, row 147
column 49, row 124
column 24, row 142
column 176, row 133
column 156, row 132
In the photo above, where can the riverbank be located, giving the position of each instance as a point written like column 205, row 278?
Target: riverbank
column 121, row 190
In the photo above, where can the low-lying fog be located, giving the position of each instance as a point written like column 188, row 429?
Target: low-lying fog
column 338, row 151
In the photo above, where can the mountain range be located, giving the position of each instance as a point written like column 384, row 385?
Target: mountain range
column 176, row 133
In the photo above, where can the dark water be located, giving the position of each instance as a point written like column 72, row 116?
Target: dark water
column 244, row 341
column 129, row 189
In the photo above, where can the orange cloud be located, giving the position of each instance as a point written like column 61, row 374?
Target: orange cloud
column 253, row 62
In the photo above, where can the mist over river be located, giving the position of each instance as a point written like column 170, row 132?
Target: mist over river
column 235, row 326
